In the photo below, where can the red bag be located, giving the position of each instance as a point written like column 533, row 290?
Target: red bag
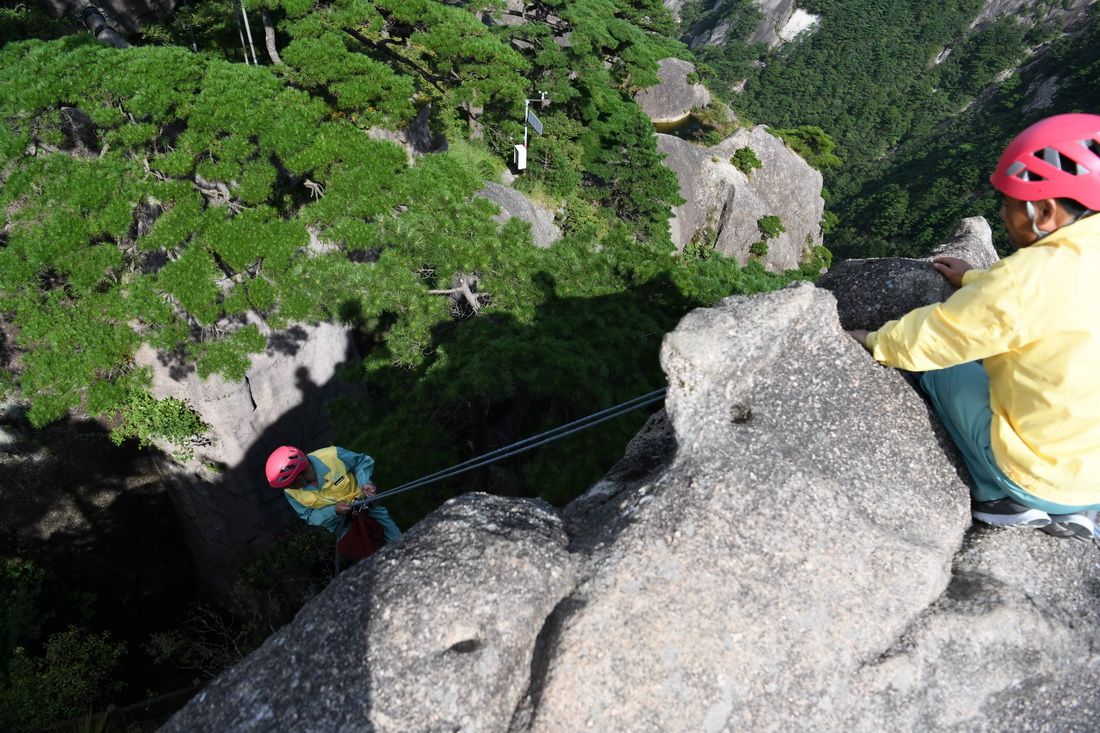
column 363, row 538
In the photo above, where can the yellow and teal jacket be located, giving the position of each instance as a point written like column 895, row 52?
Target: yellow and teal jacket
column 340, row 474
column 1033, row 319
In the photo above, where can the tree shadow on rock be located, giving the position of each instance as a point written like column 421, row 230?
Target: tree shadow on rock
column 493, row 380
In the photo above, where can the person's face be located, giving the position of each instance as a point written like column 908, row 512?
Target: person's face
column 1016, row 221
column 308, row 476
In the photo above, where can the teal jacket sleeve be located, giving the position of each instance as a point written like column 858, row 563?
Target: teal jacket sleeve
column 362, row 466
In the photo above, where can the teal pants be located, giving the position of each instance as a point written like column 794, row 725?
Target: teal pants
column 960, row 395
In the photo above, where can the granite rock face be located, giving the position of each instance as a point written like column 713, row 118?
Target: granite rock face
column 416, row 137
column 436, row 632
column 673, row 99
column 229, row 512
column 786, row 546
column 1069, row 15
column 776, row 15
column 872, row 292
column 513, row 203
column 724, row 205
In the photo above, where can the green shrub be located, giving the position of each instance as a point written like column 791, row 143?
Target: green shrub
column 760, row 249
column 22, row 584
column 71, row 677
column 812, row 143
column 770, row 226
column 745, row 160
column 170, row 420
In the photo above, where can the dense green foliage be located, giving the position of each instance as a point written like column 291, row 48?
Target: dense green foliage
column 68, row 679
column 909, row 203
column 862, row 75
column 170, row 421
column 47, row 675
column 180, row 200
column 731, row 61
column 883, row 80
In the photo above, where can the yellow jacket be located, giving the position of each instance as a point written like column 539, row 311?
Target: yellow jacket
column 1033, row 319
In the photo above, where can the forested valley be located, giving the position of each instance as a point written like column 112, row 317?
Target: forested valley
column 173, row 192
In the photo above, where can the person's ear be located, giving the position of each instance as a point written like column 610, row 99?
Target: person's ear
column 1047, row 215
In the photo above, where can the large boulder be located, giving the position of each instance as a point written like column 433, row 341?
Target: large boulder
column 674, row 97
column 436, row 632
column 724, row 205
column 787, row 546
column 755, row 575
column 513, row 203
column 872, row 292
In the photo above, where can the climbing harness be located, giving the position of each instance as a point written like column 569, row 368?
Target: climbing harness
column 524, row 445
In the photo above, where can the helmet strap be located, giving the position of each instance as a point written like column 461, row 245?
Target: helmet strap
column 1031, row 217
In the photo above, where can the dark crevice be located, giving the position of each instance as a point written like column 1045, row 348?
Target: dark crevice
column 251, row 397
column 543, row 653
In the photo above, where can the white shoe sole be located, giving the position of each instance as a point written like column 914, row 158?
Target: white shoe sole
column 1031, row 519
column 1073, row 526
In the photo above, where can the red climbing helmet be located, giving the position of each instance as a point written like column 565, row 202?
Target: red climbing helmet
column 1054, row 158
column 284, row 465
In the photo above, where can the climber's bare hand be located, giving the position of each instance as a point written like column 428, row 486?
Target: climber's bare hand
column 952, row 268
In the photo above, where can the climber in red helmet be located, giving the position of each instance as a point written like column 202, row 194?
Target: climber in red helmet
column 1011, row 361
column 321, row 485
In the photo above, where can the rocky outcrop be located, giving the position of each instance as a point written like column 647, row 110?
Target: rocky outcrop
column 416, row 617
column 787, row 546
column 229, row 512
column 724, row 205
column 513, row 203
column 1068, row 15
column 776, row 15
column 872, row 292
column 781, row 22
column 674, row 97
column 416, row 137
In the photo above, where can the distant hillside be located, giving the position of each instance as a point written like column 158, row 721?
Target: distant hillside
column 884, row 79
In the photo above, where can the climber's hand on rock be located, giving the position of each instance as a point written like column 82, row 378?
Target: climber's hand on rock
column 860, row 336
column 952, row 268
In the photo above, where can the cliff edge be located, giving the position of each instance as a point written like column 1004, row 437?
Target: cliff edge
column 787, row 546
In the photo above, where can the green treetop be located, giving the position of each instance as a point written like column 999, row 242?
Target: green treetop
column 162, row 197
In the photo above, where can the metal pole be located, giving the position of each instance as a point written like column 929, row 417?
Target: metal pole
column 526, row 110
column 248, row 30
column 240, row 32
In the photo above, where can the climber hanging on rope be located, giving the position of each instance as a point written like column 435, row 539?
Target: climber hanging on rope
column 322, row 486
column 1010, row 360
column 331, row 487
